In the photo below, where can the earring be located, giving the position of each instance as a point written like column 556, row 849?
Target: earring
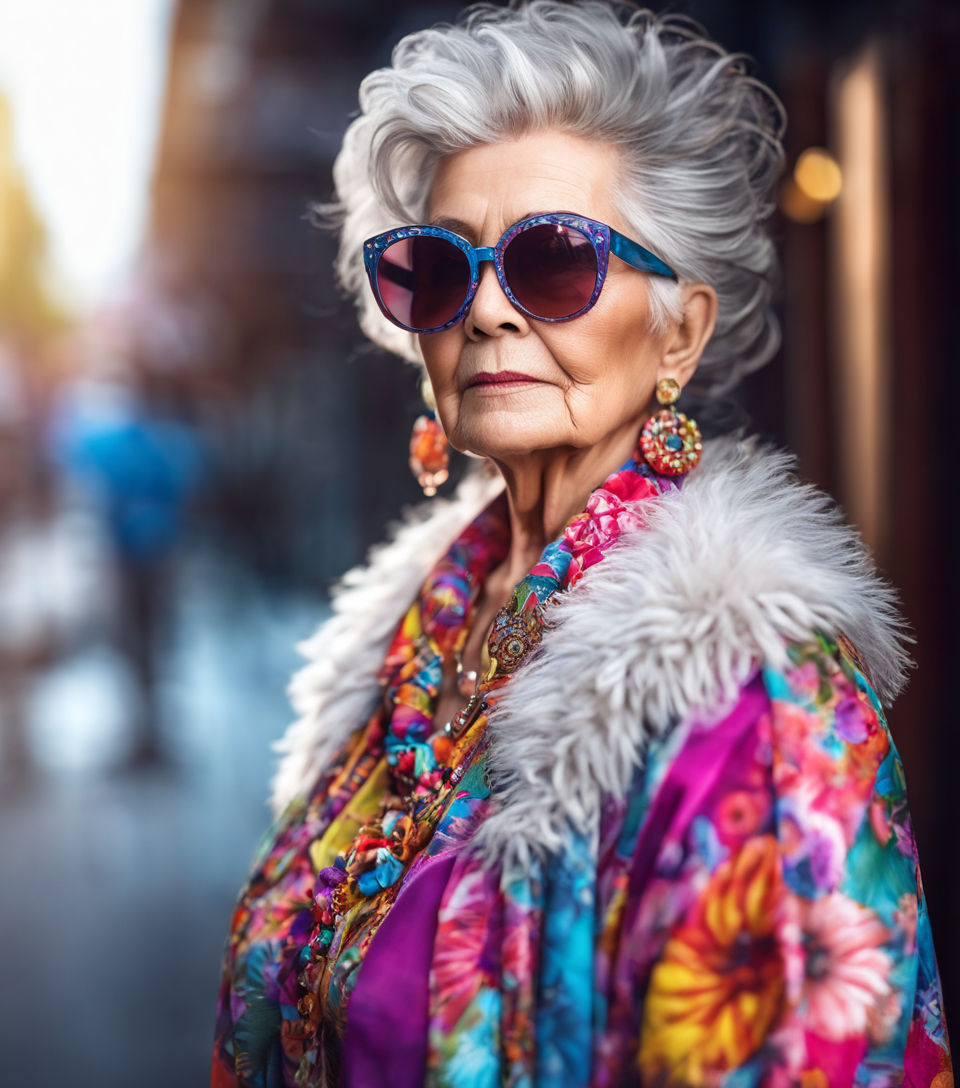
column 429, row 458
column 671, row 442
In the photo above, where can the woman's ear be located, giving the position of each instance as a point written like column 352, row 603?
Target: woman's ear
column 683, row 345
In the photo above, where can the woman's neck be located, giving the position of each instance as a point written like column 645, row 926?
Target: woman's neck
column 545, row 489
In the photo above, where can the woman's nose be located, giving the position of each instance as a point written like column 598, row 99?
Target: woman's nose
column 491, row 313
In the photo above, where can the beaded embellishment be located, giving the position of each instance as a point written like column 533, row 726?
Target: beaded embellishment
column 671, row 442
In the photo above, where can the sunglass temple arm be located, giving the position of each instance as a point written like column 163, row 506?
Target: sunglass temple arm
column 637, row 257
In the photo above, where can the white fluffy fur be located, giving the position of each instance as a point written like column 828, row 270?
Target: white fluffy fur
column 669, row 625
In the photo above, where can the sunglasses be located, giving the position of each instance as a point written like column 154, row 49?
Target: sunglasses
column 551, row 267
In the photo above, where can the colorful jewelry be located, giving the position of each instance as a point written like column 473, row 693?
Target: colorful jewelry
column 671, row 442
column 429, row 460
column 429, row 449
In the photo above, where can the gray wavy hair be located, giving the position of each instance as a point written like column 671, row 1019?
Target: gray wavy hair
column 700, row 141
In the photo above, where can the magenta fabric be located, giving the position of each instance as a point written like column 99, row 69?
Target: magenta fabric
column 386, row 1037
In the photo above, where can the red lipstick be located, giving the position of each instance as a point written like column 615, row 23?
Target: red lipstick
column 499, row 377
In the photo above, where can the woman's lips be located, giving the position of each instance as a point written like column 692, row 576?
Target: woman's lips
column 499, row 377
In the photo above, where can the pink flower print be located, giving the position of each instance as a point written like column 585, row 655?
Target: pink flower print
column 460, row 969
column 805, row 680
column 813, row 843
column 851, row 720
column 589, row 536
column 846, row 986
column 582, row 542
column 520, row 945
column 797, row 753
column 742, row 813
column 610, row 517
column 631, row 487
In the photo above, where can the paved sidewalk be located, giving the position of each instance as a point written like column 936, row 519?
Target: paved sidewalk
column 117, row 887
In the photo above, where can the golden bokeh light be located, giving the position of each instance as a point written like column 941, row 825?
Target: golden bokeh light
column 813, row 186
column 817, row 174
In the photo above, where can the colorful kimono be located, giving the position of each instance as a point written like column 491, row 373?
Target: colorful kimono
column 746, row 911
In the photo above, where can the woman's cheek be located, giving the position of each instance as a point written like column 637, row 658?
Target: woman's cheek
column 449, row 412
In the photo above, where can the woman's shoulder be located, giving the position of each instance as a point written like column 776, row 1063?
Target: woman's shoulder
column 724, row 570
column 746, row 555
column 727, row 573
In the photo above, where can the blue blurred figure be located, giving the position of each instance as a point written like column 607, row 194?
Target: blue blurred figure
column 141, row 464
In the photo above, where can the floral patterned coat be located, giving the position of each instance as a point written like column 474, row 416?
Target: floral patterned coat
column 682, row 853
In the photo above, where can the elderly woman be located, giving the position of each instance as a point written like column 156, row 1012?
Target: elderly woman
column 591, row 783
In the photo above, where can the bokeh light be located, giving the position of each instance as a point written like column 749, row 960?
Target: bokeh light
column 814, row 184
column 818, row 175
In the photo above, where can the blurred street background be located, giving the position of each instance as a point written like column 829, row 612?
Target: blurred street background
column 195, row 442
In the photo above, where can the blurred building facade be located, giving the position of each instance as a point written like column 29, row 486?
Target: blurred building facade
column 310, row 428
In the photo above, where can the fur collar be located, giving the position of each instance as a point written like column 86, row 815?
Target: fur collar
column 672, row 622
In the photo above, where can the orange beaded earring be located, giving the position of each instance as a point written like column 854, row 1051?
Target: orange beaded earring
column 671, row 442
column 429, row 456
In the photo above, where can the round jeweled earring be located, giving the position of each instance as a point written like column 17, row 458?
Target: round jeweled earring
column 671, row 442
column 429, row 456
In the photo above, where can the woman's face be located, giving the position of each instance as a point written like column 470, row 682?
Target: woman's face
column 573, row 383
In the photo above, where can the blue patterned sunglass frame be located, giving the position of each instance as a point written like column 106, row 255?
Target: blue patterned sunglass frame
column 604, row 239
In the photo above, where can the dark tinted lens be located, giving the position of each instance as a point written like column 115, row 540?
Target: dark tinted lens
column 551, row 269
column 423, row 281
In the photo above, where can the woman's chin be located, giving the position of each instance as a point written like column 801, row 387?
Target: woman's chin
column 505, row 444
